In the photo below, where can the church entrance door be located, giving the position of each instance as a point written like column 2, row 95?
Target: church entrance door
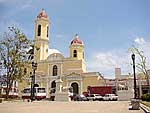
column 75, row 87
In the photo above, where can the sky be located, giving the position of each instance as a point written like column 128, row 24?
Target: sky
column 107, row 28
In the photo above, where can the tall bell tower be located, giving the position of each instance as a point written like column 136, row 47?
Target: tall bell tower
column 77, row 51
column 77, row 48
column 42, row 26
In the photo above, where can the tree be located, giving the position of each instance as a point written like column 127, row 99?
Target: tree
column 13, row 56
column 141, row 65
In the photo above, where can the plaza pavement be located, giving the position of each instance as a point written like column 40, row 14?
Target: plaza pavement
column 67, row 107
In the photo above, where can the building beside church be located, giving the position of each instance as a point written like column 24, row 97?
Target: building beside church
column 52, row 63
column 125, row 85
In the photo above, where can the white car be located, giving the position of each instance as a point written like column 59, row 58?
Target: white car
column 95, row 97
column 110, row 97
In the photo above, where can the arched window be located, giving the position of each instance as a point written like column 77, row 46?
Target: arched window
column 39, row 30
column 54, row 70
column 47, row 30
column 75, row 53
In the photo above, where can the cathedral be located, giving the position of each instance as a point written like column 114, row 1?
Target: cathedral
column 52, row 63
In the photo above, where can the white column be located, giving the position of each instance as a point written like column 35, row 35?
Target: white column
column 47, row 83
column 58, row 85
column 81, row 85
column 61, row 69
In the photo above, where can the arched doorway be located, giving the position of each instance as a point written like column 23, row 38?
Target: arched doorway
column 53, row 87
column 75, row 87
column 53, row 90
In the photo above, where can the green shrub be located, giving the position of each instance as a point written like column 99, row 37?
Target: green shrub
column 146, row 97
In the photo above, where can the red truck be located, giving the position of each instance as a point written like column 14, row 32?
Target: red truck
column 102, row 90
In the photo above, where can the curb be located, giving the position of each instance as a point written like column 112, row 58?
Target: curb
column 145, row 108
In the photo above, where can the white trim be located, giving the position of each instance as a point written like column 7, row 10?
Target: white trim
column 47, row 86
column 74, row 78
column 76, row 82
column 51, row 82
column 54, row 77
column 74, row 69
column 38, row 38
column 50, row 62
column 48, row 71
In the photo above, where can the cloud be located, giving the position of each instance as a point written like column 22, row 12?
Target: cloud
column 139, row 41
column 144, row 45
column 27, row 4
column 106, row 62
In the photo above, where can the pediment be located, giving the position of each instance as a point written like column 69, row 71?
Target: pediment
column 73, row 74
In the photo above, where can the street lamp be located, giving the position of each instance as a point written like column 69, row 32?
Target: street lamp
column 34, row 67
column 31, row 96
column 135, row 92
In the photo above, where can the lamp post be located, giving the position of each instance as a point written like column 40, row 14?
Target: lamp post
column 135, row 92
column 31, row 96
column 0, row 69
column 34, row 67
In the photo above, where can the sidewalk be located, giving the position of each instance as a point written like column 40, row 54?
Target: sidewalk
column 67, row 107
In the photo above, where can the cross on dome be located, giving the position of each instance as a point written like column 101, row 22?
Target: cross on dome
column 76, row 36
column 43, row 14
column 76, row 40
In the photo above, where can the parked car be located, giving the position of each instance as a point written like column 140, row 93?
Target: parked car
column 95, row 97
column 80, row 98
column 110, row 97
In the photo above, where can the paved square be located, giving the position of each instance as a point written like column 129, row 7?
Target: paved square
column 67, row 107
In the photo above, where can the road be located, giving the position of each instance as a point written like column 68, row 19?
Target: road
column 67, row 107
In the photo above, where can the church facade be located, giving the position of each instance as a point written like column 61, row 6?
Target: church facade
column 52, row 64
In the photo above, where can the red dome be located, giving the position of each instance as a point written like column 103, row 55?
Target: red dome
column 42, row 14
column 76, row 40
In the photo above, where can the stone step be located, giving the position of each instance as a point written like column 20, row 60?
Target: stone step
column 145, row 108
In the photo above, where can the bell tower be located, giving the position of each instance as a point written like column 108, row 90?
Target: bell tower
column 42, row 26
column 77, row 48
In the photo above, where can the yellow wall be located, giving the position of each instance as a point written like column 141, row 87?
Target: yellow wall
column 44, row 23
column 68, row 65
column 92, row 81
column 80, row 51
column 41, row 41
